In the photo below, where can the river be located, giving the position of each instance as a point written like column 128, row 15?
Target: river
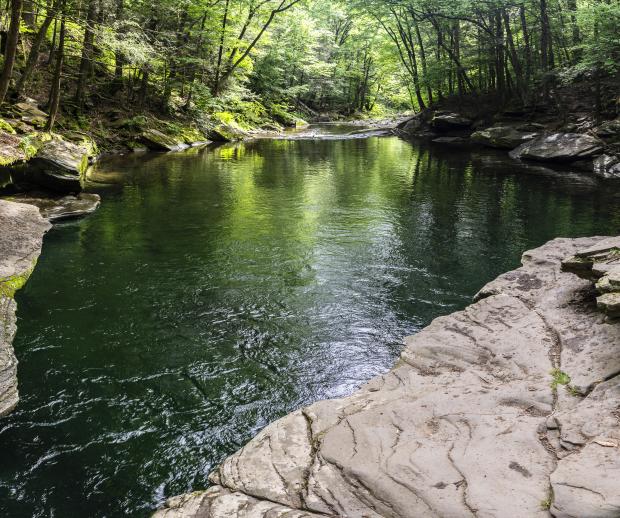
column 218, row 289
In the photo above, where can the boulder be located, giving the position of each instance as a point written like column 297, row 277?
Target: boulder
column 11, row 150
column 62, row 208
column 609, row 129
column 445, row 122
column 29, row 113
column 559, row 147
column 607, row 166
column 158, row 141
column 60, row 165
column 502, row 137
column 225, row 133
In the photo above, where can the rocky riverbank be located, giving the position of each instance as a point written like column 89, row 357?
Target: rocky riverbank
column 21, row 237
column 508, row 408
column 584, row 144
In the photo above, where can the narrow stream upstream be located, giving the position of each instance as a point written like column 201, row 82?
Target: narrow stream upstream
column 219, row 289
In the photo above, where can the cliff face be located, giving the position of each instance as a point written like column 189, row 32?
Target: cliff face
column 21, row 237
column 508, row 408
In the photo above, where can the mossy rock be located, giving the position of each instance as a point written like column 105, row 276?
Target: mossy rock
column 5, row 126
column 158, row 141
column 61, row 165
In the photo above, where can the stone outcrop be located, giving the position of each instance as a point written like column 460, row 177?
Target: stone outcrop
column 158, row 141
column 508, row 408
column 502, row 137
column 60, row 165
column 54, row 208
column 447, row 122
column 602, row 264
column 21, row 235
column 560, row 147
column 607, row 166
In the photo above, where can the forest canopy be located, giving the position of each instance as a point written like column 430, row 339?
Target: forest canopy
column 249, row 57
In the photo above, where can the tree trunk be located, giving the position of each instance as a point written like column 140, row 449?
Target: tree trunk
column 54, row 101
column 33, row 56
column 527, row 44
column 11, row 48
column 87, row 55
column 429, row 89
column 220, row 52
column 28, row 13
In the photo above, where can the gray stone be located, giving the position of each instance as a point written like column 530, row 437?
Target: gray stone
column 559, row 147
column 60, row 165
column 467, row 423
column 607, row 166
column 158, row 141
column 444, row 122
column 502, row 137
column 58, row 209
column 21, row 236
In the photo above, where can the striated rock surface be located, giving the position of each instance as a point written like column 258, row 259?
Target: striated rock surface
column 559, row 147
column 54, row 208
column 21, row 235
column 60, row 165
column 508, row 408
column 502, row 137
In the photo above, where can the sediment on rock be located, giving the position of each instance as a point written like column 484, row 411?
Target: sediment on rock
column 490, row 411
column 21, row 237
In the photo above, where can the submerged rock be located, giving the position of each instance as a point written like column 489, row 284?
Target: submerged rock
column 502, row 137
column 67, row 207
column 21, row 235
column 559, row 147
column 455, row 141
column 462, row 426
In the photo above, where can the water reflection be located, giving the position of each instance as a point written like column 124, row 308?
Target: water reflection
column 215, row 291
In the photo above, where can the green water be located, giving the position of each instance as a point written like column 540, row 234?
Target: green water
column 216, row 290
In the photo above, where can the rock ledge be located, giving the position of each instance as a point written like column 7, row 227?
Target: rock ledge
column 508, row 408
column 21, row 237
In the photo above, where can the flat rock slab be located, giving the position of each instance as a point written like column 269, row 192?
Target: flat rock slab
column 559, row 147
column 56, row 209
column 468, row 423
column 502, row 137
column 21, row 236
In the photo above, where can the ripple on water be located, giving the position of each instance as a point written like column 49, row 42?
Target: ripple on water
column 213, row 293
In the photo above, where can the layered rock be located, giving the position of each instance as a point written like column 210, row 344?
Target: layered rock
column 158, row 141
column 601, row 263
column 507, row 408
column 560, row 147
column 61, row 165
column 21, row 234
column 503, row 137
column 54, row 208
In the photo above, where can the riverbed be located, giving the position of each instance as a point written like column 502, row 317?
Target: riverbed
column 218, row 289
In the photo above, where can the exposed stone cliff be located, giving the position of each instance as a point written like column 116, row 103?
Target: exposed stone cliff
column 508, row 408
column 21, row 236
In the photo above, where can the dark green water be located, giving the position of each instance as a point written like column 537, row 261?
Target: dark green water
column 216, row 291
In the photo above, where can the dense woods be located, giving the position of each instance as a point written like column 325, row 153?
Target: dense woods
column 245, row 59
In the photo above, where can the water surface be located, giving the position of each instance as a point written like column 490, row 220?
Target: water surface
column 217, row 290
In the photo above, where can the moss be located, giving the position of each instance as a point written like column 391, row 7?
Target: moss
column 5, row 126
column 559, row 378
column 10, row 285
